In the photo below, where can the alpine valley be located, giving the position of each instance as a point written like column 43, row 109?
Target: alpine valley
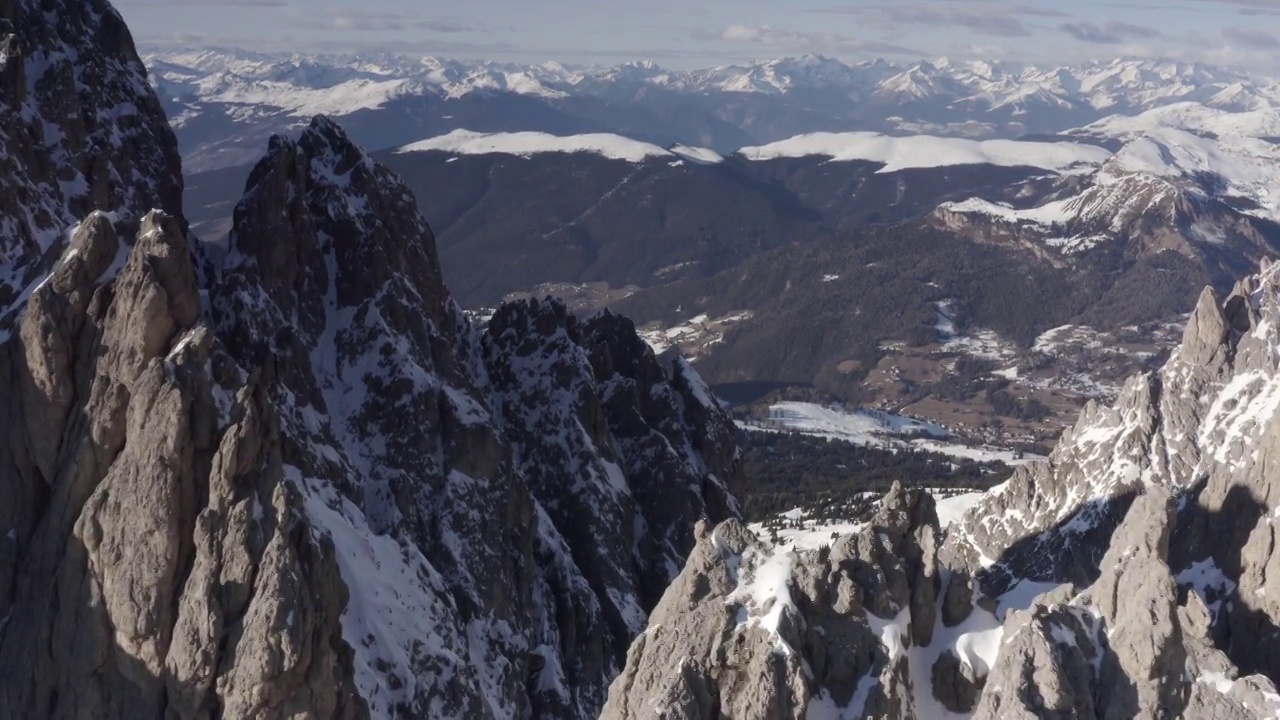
column 260, row 461
column 985, row 247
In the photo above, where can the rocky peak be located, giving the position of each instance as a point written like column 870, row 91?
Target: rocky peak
column 323, row 225
column 401, row 420
column 766, row 631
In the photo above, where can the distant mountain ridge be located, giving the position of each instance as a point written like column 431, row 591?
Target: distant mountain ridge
column 224, row 102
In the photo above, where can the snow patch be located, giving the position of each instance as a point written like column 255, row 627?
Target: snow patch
column 927, row 151
column 528, row 144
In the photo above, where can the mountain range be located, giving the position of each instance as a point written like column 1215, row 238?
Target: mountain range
column 288, row 476
column 224, row 102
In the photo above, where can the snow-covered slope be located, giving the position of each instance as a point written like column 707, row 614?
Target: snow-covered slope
column 876, row 428
column 526, row 144
column 1232, row 155
column 1182, row 177
column 923, row 151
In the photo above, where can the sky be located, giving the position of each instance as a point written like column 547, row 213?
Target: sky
column 702, row 33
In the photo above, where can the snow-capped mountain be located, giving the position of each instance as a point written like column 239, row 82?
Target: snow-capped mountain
column 1183, row 176
column 248, row 95
column 1111, row 85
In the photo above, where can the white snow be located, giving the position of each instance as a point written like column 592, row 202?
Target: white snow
column 1057, row 211
column 981, row 454
column 528, row 144
column 878, row 429
column 1190, row 116
column 950, row 509
column 1209, row 582
column 978, row 342
column 927, row 151
column 811, row 534
column 1020, row 596
column 1188, row 143
column 861, row 427
column 1218, row 680
column 892, row 632
column 702, row 156
column 394, row 617
column 693, row 335
column 762, row 589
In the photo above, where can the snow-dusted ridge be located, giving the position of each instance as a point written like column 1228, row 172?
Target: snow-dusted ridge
column 527, row 144
column 1185, row 150
column 926, row 151
column 1102, row 86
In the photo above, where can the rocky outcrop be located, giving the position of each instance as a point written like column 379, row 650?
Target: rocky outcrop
column 765, row 632
column 155, row 560
column 1126, row 647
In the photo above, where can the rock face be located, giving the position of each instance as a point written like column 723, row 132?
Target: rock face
column 301, row 484
column 1130, row 575
column 80, row 130
column 753, row 631
column 546, row 473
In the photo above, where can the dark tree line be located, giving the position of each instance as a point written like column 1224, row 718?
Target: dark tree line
column 789, row 470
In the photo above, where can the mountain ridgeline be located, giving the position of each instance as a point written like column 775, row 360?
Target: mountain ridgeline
column 298, row 482
column 387, row 99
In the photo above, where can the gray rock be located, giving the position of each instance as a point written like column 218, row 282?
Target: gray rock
column 767, row 632
column 955, row 684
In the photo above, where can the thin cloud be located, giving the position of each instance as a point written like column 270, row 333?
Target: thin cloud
column 371, row 21
column 986, row 18
column 988, row 24
column 791, row 41
column 1244, row 7
column 1109, row 33
column 1250, row 38
column 1034, row 11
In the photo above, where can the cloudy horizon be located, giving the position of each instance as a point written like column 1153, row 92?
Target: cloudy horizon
column 1242, row 33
